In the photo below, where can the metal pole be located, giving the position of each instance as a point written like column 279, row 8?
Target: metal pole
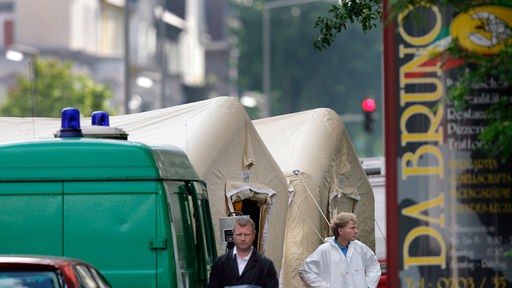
column 267, row 6
column 127, row 74
column 266, row 63
column 163, row 59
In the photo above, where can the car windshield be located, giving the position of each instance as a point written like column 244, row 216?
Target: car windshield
column 28, row 279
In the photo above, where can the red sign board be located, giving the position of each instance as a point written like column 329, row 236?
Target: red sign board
column 449, row 206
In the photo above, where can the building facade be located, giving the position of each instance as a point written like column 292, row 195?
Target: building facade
column 170, row 51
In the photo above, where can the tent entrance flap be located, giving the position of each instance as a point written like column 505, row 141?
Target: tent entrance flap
column 254, row 200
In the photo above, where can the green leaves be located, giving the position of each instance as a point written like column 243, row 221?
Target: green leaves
column 367, row 13
column 54, row 86
column 479, row 68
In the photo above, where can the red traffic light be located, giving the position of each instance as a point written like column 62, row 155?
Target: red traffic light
column 368, row 105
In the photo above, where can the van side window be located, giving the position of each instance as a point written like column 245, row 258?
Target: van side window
column 206, row 244
column 190, row 239
column 181, row 222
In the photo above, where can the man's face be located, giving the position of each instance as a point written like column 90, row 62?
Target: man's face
column 349, row 233
column 243, row 237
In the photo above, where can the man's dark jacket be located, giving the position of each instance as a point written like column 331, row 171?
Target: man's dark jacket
column 259, row 271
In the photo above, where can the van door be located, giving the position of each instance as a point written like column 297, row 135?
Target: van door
column 191, row 254
column 31, row 217
column 112, row 224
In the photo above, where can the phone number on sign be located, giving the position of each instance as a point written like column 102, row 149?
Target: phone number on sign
column 459, row 282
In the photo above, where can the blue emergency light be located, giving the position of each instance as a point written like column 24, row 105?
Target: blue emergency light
column 70, row 123
column 100, row 118
column 100, row 127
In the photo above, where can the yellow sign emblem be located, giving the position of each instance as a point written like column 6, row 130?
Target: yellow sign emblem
column 485, row 29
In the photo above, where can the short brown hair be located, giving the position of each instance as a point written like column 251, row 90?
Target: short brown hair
column 341, row 221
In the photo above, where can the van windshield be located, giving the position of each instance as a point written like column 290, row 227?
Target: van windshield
column 29, row 279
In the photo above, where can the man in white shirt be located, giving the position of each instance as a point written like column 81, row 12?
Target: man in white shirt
column 243, row 266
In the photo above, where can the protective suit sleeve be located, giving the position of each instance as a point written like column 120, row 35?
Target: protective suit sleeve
column 372, row 269
column 309, row 271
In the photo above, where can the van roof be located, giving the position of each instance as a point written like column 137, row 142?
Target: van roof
column 79, row 159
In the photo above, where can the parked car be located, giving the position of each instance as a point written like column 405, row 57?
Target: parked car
column 39, row 271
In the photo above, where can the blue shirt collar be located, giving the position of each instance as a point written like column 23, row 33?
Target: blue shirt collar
column 341, row 247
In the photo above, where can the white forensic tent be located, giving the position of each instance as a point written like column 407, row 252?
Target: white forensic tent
column 228, row 154
column 25, row 128
column 324, row 176
column 224, row 147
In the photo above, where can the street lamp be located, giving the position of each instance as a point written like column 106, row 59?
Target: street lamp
column 249, row 101
column 18, row 52
column 129, row 6
column 14, row 55
column 267, row 6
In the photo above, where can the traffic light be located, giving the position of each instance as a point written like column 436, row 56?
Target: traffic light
column 368, row 105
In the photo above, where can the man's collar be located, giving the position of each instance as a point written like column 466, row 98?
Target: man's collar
column 339, row 244
column 235, row 252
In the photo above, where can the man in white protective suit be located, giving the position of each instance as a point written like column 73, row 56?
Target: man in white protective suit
column 342, row 261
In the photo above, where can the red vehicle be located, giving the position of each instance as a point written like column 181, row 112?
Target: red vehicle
column 383, row 278
column 37, row 271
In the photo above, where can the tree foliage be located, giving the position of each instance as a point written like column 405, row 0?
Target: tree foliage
column 54, row 86
column 301, row 78
column 367, row 13
column 497, row 133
